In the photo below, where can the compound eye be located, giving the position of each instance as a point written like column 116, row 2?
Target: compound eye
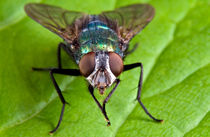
column 115, row 63
column 87, row 64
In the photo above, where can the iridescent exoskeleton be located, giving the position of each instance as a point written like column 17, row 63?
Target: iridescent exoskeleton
column 98, row 44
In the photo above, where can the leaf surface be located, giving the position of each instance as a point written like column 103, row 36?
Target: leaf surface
column 175, row 51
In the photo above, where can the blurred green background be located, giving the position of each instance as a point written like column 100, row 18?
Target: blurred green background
column 175, row 51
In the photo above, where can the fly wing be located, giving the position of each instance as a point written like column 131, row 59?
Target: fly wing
column 67, row 24
column 128, row 21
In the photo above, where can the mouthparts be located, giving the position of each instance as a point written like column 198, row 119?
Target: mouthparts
column 102, row 87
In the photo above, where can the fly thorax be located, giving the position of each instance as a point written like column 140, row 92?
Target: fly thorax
column 102, row 77
column 97, row 36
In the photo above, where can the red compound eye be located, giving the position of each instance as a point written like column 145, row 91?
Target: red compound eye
column 115, row 63
column 87, row 64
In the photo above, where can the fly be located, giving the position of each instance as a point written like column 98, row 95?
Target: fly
column 97, row 43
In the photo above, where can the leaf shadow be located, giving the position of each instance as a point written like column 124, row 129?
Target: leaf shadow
column 142, row 119
column 47, row 121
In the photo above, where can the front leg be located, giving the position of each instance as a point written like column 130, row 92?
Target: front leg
column 102, row 108
column 131, row 66
column 109, row 95
column 91, row 89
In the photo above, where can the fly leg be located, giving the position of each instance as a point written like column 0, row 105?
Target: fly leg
column 66, row 48
column 60, row 45
column 108, row 97
column 131, row 66
column 104, row 102
column 132, row 50
column 90, row 88
column 71, row 72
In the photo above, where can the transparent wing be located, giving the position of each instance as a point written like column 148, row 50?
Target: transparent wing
column 128, row 21
column 66, row 24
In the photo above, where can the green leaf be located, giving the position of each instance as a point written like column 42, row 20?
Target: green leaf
column 175, row 51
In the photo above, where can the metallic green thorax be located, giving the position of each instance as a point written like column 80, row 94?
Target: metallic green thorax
column 97, row 36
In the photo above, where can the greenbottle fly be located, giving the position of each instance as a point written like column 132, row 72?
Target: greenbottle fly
column 97, row 43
